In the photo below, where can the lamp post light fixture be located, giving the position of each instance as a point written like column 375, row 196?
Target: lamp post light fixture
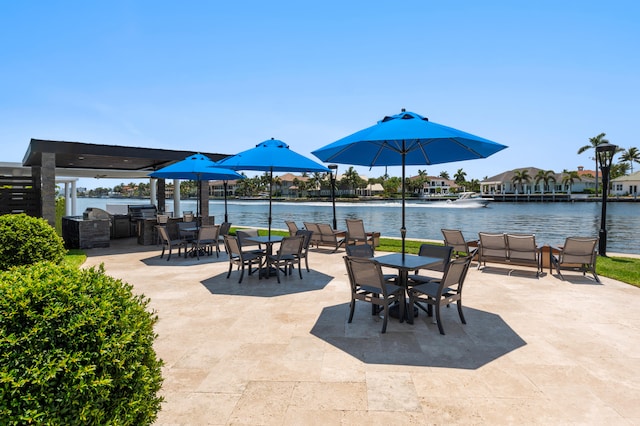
column 334, row 172
column 604, row 153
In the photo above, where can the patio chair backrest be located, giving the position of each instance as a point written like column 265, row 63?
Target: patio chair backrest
column 293, row 228
column 224, row 228
column 208, row 232
column 290, row 246
column 522, row 246
column 441, row 252
column 208, row 220
column 313, row 227
column 455, row 239
column 185, row 230
column 362, row 250
column 244, row 234
column 306, row 235
column 162, row 219
column 579, row 250
column 455, row 274
column 355, row 229
column 493, row 244
column 325, row 229
column 187, row 217
column 164, row 234
column 232, row 246
column 365, row 272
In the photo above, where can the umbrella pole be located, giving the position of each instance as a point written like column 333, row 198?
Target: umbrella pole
column 403, row 230
column 224, row 185
column 270, row 192
column 199, row 195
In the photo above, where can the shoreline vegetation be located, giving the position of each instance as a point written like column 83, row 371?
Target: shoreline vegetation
column 532, row 198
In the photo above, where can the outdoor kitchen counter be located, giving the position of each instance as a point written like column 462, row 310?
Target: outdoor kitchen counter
column 146, row 230
column 79, row 233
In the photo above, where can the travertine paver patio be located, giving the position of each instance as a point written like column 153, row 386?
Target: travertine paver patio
column 535, row 351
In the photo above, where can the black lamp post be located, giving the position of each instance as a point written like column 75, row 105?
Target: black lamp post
column 334, row 172
column 605, row 153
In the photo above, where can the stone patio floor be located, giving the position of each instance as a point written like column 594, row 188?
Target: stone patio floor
column 533, row 351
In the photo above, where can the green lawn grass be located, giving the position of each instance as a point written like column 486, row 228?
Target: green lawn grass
column 623, row 269
column 74, row 258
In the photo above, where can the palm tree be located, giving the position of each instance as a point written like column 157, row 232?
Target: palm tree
column 315, row 181
column 619, row 169
column 445, row 175
column 460, row 177
column 593, row 143
column 569, row 177
column 544, row 176
column 277, row 182
column 352, row 178
column 520, row 177
column 631, row 155
column 391, row 186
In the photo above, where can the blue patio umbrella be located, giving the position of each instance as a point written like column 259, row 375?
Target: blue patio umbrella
column 271, row 156
column 197, row 167
column 406, row 139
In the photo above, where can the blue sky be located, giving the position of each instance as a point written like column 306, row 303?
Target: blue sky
column 541, row 77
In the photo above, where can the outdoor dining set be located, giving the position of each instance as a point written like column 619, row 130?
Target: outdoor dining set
column 399, row 140
column 399, row 294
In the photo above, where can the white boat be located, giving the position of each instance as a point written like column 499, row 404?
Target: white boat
column 470, row 199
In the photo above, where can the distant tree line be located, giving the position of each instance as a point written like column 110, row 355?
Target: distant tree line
column 315, row 184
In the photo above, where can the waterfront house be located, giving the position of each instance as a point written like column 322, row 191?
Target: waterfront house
column 436, row 185
column 370, row 190
column 626, row 185
column 504, row 183
column 216, row 188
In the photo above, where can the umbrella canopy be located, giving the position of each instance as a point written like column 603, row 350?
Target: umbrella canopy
column 272, row 156
column 196, row 167
column 406, row 139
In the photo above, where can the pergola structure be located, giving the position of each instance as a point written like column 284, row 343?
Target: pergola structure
column 50, row 161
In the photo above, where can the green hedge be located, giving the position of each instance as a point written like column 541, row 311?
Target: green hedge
column 75, row 349
column 25, row 240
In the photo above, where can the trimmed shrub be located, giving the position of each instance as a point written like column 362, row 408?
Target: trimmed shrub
column 75, row 349
column 25, row 240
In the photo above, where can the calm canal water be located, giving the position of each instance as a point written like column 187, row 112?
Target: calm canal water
column 551, row 222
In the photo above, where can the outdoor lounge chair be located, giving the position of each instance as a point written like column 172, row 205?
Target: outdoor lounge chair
column 168, row 243
column 366, row 251
column 293, row 228
column 161, row 220
column 455, row 239
column 240, row 258
column 207, row 240
column 187, row 231
column 443, row 253
column 577, row 254
column 287, row 256
column 248, row 246
column 442, row 292
column 493, row 248
column 330, row 237
column 524, row 251
column 208, row 220
column 304, row 251
column 357, row 235
column 316, row 237
column 368, row 285
column 224, row 230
